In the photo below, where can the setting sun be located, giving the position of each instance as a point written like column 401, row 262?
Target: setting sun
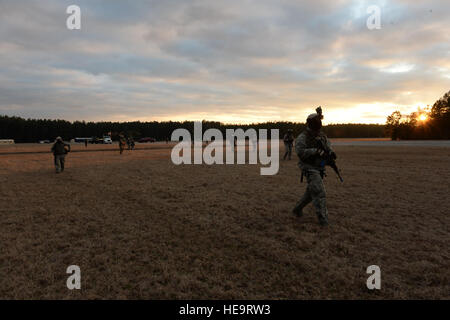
column 423, row 117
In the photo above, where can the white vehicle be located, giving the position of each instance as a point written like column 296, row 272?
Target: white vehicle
column 107, row 140
column 6, row 141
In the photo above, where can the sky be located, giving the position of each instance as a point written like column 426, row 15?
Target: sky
column 234, row 61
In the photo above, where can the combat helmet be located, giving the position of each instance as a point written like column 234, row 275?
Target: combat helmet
column 314, row 120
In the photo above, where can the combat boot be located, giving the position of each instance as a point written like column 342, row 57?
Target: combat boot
column 298, row 211
column 304, row 201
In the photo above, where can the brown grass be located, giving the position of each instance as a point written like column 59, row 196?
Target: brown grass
column 142, row 228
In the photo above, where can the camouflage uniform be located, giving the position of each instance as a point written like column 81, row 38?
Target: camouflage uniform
column 288, row 140
column 306, row 147
column 60, row 150
column 122, row 143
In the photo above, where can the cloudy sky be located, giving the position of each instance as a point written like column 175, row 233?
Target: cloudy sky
column 226, row 60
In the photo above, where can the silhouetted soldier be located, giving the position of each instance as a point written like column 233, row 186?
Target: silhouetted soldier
column 60, row 149
column 307, row 147
column 122, row 143
column 130, row 143
column 288, row 140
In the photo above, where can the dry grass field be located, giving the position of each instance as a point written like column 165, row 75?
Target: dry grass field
column 140, row 227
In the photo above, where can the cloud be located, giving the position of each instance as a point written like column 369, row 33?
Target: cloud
column 244, row 61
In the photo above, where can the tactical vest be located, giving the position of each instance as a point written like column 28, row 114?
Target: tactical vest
column 312, row 142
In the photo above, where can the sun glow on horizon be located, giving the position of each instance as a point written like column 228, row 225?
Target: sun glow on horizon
column 366, row 113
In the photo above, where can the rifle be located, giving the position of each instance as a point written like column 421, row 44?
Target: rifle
column 328, row 159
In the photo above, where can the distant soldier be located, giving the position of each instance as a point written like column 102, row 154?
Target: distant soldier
column 85, row 143
column 60, row 149
column 122, row 143
column 288, row 140
column 310, row 153
column 130, row 143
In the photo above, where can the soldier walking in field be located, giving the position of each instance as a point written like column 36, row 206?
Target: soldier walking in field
column 288, row 140
column 60, row 149
column 122, row 143
column 130, row 143
column 312, row 147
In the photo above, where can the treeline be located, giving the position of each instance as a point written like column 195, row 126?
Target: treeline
column 422, row 124
column 33, row 130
